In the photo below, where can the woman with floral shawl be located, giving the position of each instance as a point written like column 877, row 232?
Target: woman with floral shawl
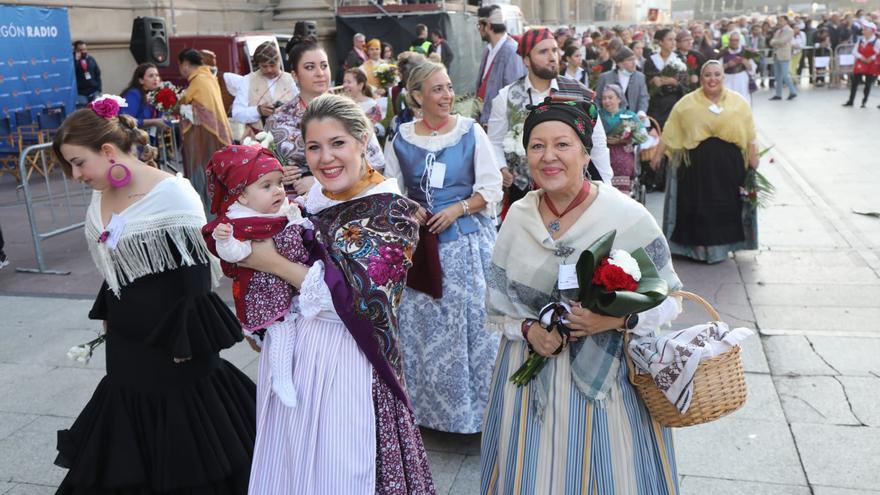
column 352, row 431
column 206, row 129
column 579, row 426
column 709, row 139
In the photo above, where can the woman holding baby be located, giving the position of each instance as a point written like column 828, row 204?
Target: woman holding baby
column 351, row 428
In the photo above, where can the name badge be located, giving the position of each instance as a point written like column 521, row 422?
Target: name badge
column 715, row 109
column 568, row 277
column 114, row 230
column 438, row 174
column 87, row 76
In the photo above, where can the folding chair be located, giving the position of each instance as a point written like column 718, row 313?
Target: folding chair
column 26, row 137
column 59, row 110
column 8, row 151
column 49, row 121
column 24, row 117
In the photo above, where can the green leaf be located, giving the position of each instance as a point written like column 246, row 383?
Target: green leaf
column 651, row 292
column 652, row 289
column 589, row 260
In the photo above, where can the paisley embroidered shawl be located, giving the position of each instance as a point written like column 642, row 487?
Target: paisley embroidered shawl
column 366, row 245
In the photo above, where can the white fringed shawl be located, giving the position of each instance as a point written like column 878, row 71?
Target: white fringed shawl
column 169, row 218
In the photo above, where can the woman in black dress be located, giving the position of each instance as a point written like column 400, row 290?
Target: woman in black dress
column 710, row 140
column 665, row 92
column 170, row 416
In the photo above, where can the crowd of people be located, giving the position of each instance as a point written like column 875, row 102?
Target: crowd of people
column 391, row 257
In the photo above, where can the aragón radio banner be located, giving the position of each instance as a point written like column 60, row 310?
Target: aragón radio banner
column 36, row 67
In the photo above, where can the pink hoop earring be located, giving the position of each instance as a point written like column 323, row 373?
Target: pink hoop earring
column 114, row 182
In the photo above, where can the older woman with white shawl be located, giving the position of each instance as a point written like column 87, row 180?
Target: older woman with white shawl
column 579, row 426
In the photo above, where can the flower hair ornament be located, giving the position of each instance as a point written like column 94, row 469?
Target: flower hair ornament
column 107, row 105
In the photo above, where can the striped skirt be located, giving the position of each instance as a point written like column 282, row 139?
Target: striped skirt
column 580, row 447
column 327, row 443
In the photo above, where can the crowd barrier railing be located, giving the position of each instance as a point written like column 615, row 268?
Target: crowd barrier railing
column 39, row 237
column 170, row 158
column 842, row 63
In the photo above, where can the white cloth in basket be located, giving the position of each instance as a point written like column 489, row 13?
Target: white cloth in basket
column 672, row 359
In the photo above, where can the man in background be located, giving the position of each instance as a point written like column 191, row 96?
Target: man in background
column 441, row 47
column 264, row 90
column 501, row 65
column 88, row 74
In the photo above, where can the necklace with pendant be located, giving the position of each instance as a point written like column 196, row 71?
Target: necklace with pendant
column 435, row 130
column 580, row 198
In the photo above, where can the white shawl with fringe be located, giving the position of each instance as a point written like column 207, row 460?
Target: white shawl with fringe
column 169, row 218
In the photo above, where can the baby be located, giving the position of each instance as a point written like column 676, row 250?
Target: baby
column 248, row 198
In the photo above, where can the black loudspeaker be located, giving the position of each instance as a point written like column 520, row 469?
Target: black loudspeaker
column 149, row 41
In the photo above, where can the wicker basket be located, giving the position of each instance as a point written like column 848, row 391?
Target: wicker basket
column 646, row 155
column 719, row 384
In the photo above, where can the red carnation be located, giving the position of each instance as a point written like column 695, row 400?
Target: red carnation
column 166, row 97
column 597, row 68
column 612, row 277
column 692, row 61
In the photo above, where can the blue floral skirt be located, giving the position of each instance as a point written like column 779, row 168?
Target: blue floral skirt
column 448, row 353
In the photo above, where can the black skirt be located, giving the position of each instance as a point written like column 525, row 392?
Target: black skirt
column 153, row 425
column 708, row 203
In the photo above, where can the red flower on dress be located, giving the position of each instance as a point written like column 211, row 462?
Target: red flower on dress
column 692, row 62
column 612, row 277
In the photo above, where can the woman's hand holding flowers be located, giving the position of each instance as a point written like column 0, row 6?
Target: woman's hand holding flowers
column 584, row 322
column 290, row 174
column 543, row 342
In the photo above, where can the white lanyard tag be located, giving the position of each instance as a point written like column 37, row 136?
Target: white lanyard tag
column 568, row 277
column 114, row 230
column 438, row 174
column 87, row 76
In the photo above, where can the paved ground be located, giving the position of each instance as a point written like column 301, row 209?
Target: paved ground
column 812, row 421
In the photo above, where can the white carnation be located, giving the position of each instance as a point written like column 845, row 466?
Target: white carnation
column 626, row 262
column 80, row 353
column 509, row 144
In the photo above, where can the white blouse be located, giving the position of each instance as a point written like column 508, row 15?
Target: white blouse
column 487, row 169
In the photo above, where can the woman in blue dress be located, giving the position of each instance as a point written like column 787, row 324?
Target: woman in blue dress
column 445, row 163
column 145, row 79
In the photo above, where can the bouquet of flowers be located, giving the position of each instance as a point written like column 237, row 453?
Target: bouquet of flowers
column 612, row 283
column 693, row 68
column 514, row 151
column 630, row 130
column 467, row 106
column 386, row 74
column 266, row 140
column 593, row 76
column 674, row 68
column 83, row 353
column 751, row 55
column 166, row 98
column 757, row 190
